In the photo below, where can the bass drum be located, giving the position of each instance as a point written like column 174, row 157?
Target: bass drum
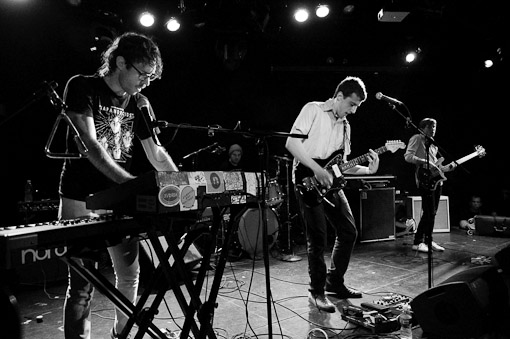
column 250, row 230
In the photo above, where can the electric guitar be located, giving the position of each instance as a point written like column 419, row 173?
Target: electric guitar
column 430, row 178
column 313, row 192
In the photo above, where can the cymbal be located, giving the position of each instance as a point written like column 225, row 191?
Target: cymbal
column 284, row 158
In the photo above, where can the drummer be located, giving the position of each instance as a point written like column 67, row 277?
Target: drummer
column 233, row 163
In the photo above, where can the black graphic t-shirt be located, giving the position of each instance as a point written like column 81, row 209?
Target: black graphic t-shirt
column 117, row 120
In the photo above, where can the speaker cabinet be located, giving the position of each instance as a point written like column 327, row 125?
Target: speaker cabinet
column 374, row 212
column 442, row 223
column 467, row 305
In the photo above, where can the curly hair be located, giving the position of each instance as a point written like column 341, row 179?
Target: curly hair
column 135, row 48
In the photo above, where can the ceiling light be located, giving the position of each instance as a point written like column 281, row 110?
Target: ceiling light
column 322, row 11
column 147, row 19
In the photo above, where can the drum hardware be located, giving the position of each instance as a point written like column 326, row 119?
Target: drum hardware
column 250, row 228
column 289, row 257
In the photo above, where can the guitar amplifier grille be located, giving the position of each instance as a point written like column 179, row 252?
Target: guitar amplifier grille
column 374, row 212
column 442, row 223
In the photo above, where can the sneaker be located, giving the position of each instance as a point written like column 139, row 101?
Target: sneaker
column 321, row 302
column 437, row 247
column 343, row 292
column 114, row 334
column 422, row 247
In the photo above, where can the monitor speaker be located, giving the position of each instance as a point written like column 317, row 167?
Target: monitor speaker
column 467, row 305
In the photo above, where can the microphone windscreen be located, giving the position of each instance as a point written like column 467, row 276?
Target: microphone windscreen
column 142, row 102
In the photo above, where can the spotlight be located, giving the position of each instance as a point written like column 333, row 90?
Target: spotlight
column 173, row 24
column 147, row 19
column 411, row 56
column 322, row 11
column 301, row 15
column 488, row 63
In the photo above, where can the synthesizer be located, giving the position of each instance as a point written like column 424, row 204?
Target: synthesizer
column 165, row 192
column 25, row 244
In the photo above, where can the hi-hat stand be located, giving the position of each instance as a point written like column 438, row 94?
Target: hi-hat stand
column 288, row 222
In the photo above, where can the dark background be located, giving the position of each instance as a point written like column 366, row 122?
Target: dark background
column 247, row 62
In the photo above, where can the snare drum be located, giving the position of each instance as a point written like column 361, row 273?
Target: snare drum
column 274, row 195
column 250, row 231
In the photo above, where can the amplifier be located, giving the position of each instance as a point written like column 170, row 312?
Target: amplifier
column 374, row 212
column 442, row 223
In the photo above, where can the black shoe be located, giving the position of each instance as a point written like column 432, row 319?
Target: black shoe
column 343, row 292
column 321, row 302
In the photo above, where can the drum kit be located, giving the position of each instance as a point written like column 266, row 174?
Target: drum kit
column 249, row 225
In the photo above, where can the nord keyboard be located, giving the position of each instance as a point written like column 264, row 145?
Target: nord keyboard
column 164, row 192
column 24, row 244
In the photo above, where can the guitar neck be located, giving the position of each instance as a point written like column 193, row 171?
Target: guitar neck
column 361, row 159
column 466, row 158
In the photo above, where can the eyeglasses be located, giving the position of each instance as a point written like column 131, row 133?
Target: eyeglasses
column 144, row 76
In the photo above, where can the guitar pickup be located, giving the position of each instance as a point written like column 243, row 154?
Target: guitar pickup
column 336, row 171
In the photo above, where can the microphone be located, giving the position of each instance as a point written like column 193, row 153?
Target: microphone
column 46, row 88
column 143, row 106
column 380, row 96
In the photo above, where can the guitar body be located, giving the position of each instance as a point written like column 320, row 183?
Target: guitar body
column 430, row 178
column 311, row 190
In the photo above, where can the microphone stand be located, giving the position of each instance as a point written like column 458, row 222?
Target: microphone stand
column 261, row 142
column 195, row 153
column 428, row 141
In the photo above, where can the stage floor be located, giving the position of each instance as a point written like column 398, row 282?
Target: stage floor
column 378, row 269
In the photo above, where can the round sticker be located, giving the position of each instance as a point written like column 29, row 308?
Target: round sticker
column 187, row 197
column 169, row 195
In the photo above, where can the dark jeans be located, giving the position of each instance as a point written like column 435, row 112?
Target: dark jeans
column 315, row 221
column 429, row 205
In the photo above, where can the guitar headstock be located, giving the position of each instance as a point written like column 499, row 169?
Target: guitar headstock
column 394, row 145
column 480, row 151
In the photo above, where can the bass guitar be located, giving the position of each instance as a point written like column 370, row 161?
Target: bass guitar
column 313, row 192
column 429, row 178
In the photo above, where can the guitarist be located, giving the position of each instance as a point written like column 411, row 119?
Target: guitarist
column 328, row 131
column 430, row 192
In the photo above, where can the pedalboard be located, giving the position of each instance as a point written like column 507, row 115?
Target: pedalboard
column 378, row 316
column 393, row 300
column 372, row 320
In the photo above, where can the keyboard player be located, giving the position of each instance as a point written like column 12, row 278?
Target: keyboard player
column 109, row 113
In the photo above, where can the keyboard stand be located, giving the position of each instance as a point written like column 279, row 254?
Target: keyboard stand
column 143, row 316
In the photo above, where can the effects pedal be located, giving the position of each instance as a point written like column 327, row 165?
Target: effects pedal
column 372, row 320
column 388, row 301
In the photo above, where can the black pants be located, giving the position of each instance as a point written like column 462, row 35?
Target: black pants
column 315, row 220
column 429, row 205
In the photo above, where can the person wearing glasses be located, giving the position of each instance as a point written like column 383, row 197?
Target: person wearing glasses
column 106, row 111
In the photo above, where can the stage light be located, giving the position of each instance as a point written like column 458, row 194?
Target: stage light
column 488, row 63
column 301, row 15
column 147, row 19
column 411, row 56
column 173, row 24
column 322, row 11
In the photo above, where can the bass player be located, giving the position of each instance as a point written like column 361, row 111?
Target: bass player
column 429, row 188
column 328, row 131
